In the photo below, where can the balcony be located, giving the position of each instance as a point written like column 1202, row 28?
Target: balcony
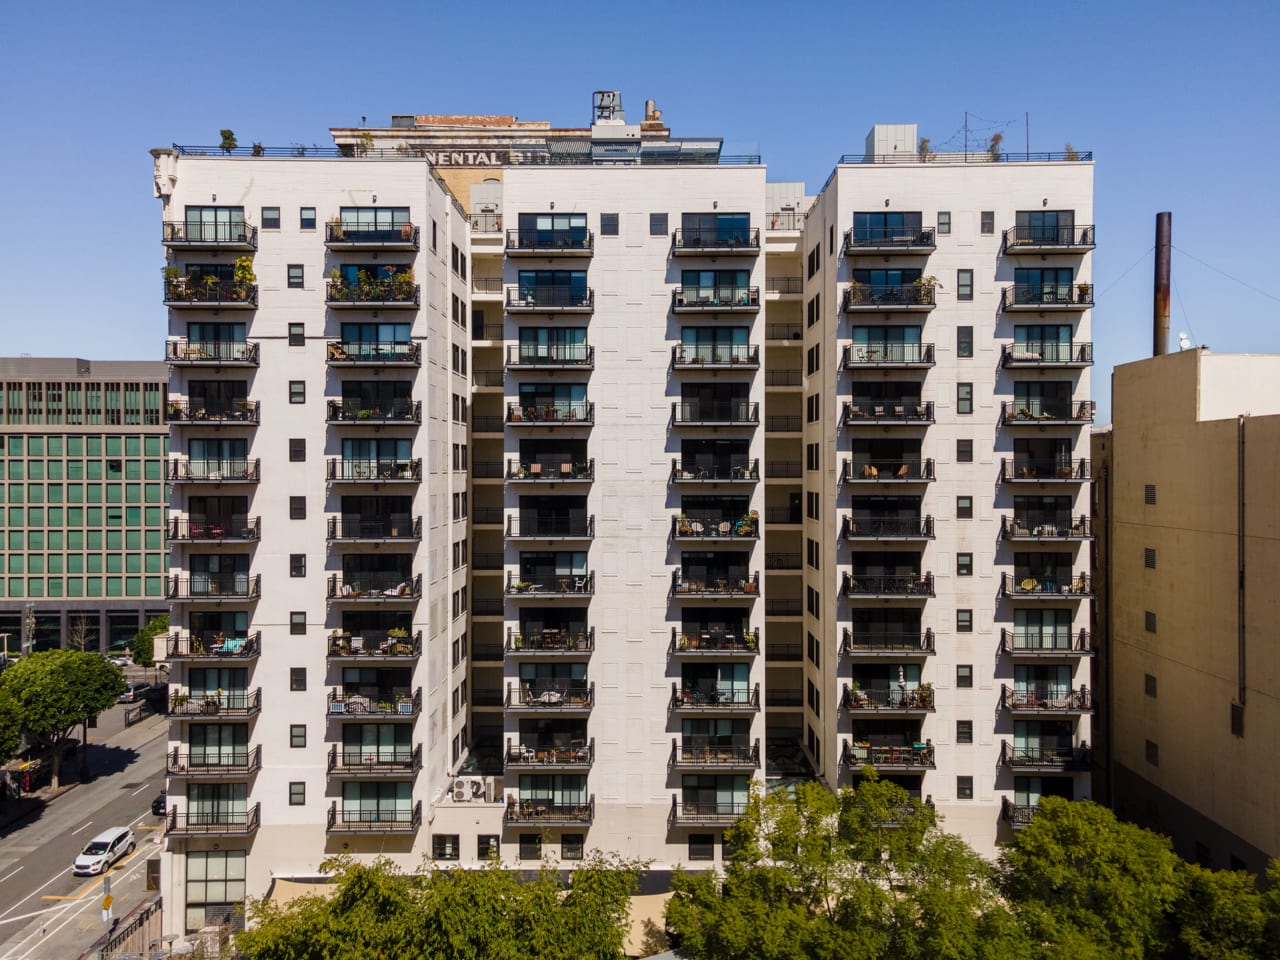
column 383, row 586
column 1061, row 586
column 880, row 529
column 198, row 235
column 891, row 701
column 212, row 647
column 782, row 470
column 388, row 293
column 1034, row 758
column 181, row 293
column 908, row 758
column 746, row 471
column 211, row 353
column 375, row 646
column 373, row 353
column 1045, row 529
column 242, row 413
column 1047, row 297
column 374, row 821
column 888, row 296
column 550, row 299
column 233, row 705
column 717, row 243
column 353, row 413
column 784, row 286
column 892, row 646
column 782, row 423
column 529, row 812
column 784, row 607
column 715, row 356
column 714, row 587
column 204, row 588
column 556, row 587
column 550, row 642
column 550, row 356
column 1046, row 701
column 1017, row 815
column 220, row 823
column 544, row 470
column 579, row 755
column 909, row 586
column 866, row 413
column 704, row 813
column 355, row 706
column 715, row 700
column 550, row 243
column 721, row 413
column 1046, row 413
column 701, row 529
column 1019, row 241
column 714, row 644
column 558, row 697
column 551, row 528
column 1046, row 355
column 486, row 223
column 888, row 356
column 374, row 530
column 887, row 240
column 722, row 300
column 229, row 470
column 1025, row 470
column 238, row 529
column 904, row 470
column 349, row 235
column 557, row 413
column 784, row 332
column 698, row 755
column 214, row 763
column 374, row 471
column 374, row 763
column 1045, row 643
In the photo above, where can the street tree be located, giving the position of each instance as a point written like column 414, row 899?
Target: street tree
column 56, row 691
column 10, row 726
column 79, row 633
column 142, row 646
column 1224, row 916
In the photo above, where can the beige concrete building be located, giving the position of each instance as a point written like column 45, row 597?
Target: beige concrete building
column 1191, row 669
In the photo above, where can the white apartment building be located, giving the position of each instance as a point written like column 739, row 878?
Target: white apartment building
column 642, row 488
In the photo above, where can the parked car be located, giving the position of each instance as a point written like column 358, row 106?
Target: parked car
column 119, row 660
column 160, row 805
column 104, row 850
column 134, row 692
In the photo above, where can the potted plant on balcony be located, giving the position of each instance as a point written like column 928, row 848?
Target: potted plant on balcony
column 1085, row 292
column 402, row 284
column 750, row 586
column 336, row 230
column 924, row 695
column 857, row 292
column 178, row 701
column 244, row 277
column 925, row 287
column 406, row 231
column 683, row 526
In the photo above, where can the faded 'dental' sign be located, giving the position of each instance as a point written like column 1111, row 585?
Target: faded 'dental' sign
column 465, row 157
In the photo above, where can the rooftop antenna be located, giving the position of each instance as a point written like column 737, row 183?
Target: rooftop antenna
column 1184, row 342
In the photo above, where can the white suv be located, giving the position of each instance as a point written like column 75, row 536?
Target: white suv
column 104, row 850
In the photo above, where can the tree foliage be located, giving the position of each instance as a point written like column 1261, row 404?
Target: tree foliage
column 228, row 140
column 10, row 726
column 142, row 646
column 56, row 691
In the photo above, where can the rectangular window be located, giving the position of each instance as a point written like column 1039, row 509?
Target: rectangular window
column 944, row 223
column 964, row 342
column 1149, row 558
column 812, row 554
column 297, row 449
column 1153, row 753
column 307, row 218
column 964, row 564
column 964, row 451
column 297, row 508
column 297, row 391
column 812, row 408
column 964, row 621
column 964, row 284
column 702, row 846
column 609, row 225
column 964, row 398
column 297, row 333
column 988, row 222
column 964, row 675
column 295, row 276
column 812, row 460
column 297, row 793
column 813, row 603
column 572, row 846
column 811, row 501
column 813, row 360
column 1149, row 685
column 814, row 648
column 964, row 508
column 1149, row 621
column 435, row 236
column 488, row 847
column 297, row 679
column 297, row 564
column 964, row 788
column 964, row 731
column 444, row 846
column 297, row 735
column 297, row 623
column 530, row 846
column 1149, row 494
column 270, row 218
column 657, row 224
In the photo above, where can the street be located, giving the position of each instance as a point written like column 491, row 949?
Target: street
column 45, row 911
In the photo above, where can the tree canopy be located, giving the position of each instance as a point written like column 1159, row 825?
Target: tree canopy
column 142, row 646
column 10, row 726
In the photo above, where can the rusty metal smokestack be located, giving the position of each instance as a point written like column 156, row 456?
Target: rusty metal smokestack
column 1160, row 312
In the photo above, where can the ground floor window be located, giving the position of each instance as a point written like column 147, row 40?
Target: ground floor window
column 215, row 887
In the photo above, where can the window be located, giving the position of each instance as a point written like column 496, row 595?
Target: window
column 964, row 621
column 702, row 846
column 813, row 359
column 814, row 648
column 964, row 788
column 657, row 224
column 964, row 451
column 813, row 602
column 307, row 218
column 609, row 225
column 831, row 239
column 813, row 698
column 813, row 310
column 1149, row 558
column 964, row 564
column 297, row 334
column 988, row 222
column 297, row 678
column 571, row 846
column 964, row 508
column 215, row 885
column 811, row 501
column 295, row 276
column 530, row 846
column 297, row 793
column 297, row 623
column 964, row 731
column 964, row 284
column 297, row 449
column 964, row 675
column 964, row 342
column 488, row 847
column 270, row 218
column 1149, row 621
column 1149, row 494
column 812, row 408
column 297, row 391
column 1149, row 685
column 812, row 554
column 444, row 846
column 815, row 260
column 435, row 236
column 297, row 564
column 944, row 223
column 297, row 736
column 1153, row 753
column 964, row 398
column 811, row 459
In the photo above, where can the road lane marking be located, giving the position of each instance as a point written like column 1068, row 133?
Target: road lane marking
column 78, row 829
column 92, row 883
column 38, row 913
column 14, row 874
column 56, row 878
column 145, row 786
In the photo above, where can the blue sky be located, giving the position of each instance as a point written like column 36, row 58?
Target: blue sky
column 1179, row 108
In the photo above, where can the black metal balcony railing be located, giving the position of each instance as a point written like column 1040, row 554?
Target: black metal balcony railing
column 887, row 528
column 782, row 470
column 733, row 470
column 694, row 697
column 1047, row 411
column 1046, row 698
column 582, row 412
column 194, row 291
column 784, row 285
column 715, row 528
column 553, row 467
column 213, row 823
column 537, row 811
column 375, row 528
column 703, row 355
column 581, row 753
column 201, row 411
column 212, row 471
column 782, row 607
column 1017, row 815
column 214, row 529
column 374, row 470
column 901, row 239
column 699, row 413
column 782, row 560
column 487, row 285
column 235, row 586
column 396, row 820
column 340, row 233
column 550, row 241
column 376, row 352
column 888, row 296
column 779, row 652
column 1045, row 527
column 900, row 643
column 729, row 585
column 484, row 423
column 918, row 699
column 551, row 641
column 224, row 704
column 746, row 240
column 388, row 411
column 1046, row 353
column 1047, row 296
column 240, row 352
column 494, row 378
column 705, row 811
column 916, row 756
column 722, row 298
column 1042, row 585
column 785, row 220
column 228, row 235
column 1024, row 469
column 552, row 585
column 715, row 642
column 1030, row 238
column 783, row 378
column 906, row 469
column 240, row 761
column 867, row 410
column 550, row 355
column 889, row 354
column 486, row 223
column 551, row 695
column 384, row 292
column 375, row 585
column 213, row 645
column 553, row 297
column 860, row 584
column 782, row 423
column 552, row 528
column 783, row 331
column 1046, row 641
column 378, row 645
column 692, row 753
column 374, row 760
column 392, row 703
column 1035, row 756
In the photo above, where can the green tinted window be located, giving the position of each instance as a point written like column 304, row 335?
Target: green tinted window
column 55, row 470
column 75, row 516
column 133, row 586
column 132, row 493
column 94, row 562
column 132, row 563
column 35, row 540
column 155, row 563
column 155, row 493
column 55, row 563
column 15, row 586
column 16, row 493
column 35, row 469
column 115, row 492
column 35, row 446
column 93, row 492
column 15, row 562
column 15, row 469
column 55, row 516
column 155, row 586
column 93, row 469
column 154, row 540
column 35, row 492
column 75, row 563
column 35, row 588
column 35, row 563
column 153, row 517
column 75, row 493
column 75, row 469
column 115, row 540
column 93, row 446
column 75, row 539
column 133, row 516
column 153, row 470
column 93, row 585
column 75, row 587
column 55, row 446
column 56, row 538
column 75, row 446
column 133, row 446
column 55, row 586
column 113, row 446
column 93, row 539
column 115, row 563
column 153, row 447
column 35, row 516
column 15, row 446
column 15, row 540
column 16, row 515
